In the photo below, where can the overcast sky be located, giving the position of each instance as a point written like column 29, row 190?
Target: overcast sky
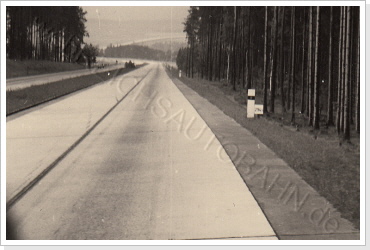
column 137, row 12
column 123, row 24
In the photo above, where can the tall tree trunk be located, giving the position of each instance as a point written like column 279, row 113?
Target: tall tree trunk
column 282, row 68
column 292, row 73
column 249, row 72
column 251, row 49
column 228, row 66
column 220, row 48
column 354, row 62
column 240, row 59
column 273, row 63
column 210, row 43
column 303, row 64
column 350, row 66
column 265, row 64
column 344, row 56
column 187, row 62
column 206, row 47
column 330, row 118
column 358, row 80
column 340, row 59
column 346, row 135
column 316, row 117
column 290, row 61
column 192, row 57
column 234, row 47
column 243, row 51
column 61, row 46
column 309, row 68
column 202, row 58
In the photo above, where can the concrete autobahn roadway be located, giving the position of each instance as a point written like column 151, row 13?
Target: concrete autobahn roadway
column 150, row 169
column 27, row 81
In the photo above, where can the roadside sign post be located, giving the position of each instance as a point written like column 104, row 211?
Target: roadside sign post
column 251, row 103
column 180, row 73
column 258, row 110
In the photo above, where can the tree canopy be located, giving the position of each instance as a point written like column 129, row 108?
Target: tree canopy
column 90, row 52
column 45, row 32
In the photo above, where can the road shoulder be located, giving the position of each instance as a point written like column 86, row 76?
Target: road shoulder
column 294, row 209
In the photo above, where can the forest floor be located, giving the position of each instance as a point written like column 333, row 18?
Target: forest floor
column 17, row 68
column 329, row 165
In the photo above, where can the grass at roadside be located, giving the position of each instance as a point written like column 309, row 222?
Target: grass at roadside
column 328, row 165
column 20, row 99
column 17, row 68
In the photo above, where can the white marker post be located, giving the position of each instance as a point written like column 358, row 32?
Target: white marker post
column 251, row 102
column 179, row 73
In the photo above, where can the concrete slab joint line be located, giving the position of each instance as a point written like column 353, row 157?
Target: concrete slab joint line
column 35, row 180
column 293, row 208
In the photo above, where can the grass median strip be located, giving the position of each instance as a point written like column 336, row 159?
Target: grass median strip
column 19, row 68
column 21, row 99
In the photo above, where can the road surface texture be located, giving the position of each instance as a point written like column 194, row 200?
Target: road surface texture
column 37, row 138
column 147, row 167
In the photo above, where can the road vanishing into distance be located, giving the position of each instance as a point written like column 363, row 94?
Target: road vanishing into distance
column 127, row 159
column 27, row 81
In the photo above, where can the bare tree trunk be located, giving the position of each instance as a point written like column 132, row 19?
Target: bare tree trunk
column 303, row 64
column 188, row 62
column 316, row 117
column 220, row 47
column 273, row 63
column 282, row 71
column 358, row 81
column 351, row 67
column 346, row 135
column 192, row 57
column 210, row 64
column 340, row 57
column 354, row 64
column 61, row 46
column 309, row 67
column 265, row 64
column 330, row 119
column 290, row 62
column 228, row 67
column 292, row 73
column 234, row 48
column 249, row 82
column 243, row 51
column 344, row 56
column 250, row 52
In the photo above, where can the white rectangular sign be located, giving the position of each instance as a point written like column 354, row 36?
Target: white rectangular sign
column 258, row 109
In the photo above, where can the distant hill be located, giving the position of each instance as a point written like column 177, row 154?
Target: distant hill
column 166, row 45
column 139, row 52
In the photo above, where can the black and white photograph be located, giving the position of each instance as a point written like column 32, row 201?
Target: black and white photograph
column 203, row 123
